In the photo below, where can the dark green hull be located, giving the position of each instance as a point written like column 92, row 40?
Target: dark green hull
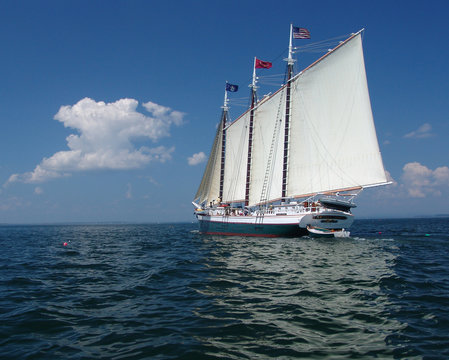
column 262, row 230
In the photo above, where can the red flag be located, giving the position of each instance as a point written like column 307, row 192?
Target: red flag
column 263, row 64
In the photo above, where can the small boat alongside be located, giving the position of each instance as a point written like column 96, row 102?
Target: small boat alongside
column 327, row 233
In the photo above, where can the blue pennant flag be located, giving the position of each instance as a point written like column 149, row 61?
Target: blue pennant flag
column 232, row 88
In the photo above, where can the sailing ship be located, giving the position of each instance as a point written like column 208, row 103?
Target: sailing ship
column 296, row 159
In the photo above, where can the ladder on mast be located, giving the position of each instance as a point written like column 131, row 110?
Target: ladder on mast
column 273, row 148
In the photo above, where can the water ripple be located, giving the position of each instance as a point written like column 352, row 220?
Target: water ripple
column 166, row 292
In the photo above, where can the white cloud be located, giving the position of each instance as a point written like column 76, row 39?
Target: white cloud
column 416, row 181
column 165, row 113
column 420, row 181
column 441, row 175
column 424, row 131
column 196, row 159
column 106, row 132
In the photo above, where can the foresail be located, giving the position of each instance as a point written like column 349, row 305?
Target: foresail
column 210, row 183
column 333, row 143
column 236, row 160
column 268, row 143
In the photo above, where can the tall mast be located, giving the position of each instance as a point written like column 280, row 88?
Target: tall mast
column 250, row 131
column 224, row 117
column 290, row 63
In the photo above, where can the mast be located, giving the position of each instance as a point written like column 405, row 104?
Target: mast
column 250, row 131
column 224, row 117
column 290, row 63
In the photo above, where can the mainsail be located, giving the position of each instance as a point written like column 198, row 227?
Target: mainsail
column 332, row 143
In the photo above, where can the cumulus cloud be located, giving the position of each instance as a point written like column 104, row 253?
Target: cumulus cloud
column 416, row 181
column 424, row 131
column 104, row 138
column 196, row 159
column 420, row 181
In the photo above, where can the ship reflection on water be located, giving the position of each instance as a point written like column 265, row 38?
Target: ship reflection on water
column 300, row 296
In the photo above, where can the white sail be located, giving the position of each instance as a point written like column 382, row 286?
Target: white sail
column 267, row 151
column 236, row 157
column 333, row 143
column 210, row 183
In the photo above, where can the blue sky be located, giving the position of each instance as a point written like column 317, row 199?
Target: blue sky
column 151, row 74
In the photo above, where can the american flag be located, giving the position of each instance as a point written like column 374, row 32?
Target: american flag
column 300, row 33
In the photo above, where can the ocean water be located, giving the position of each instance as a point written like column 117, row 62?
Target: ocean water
column 167, row 292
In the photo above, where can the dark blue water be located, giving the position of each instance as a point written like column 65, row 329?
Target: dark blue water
column 166, row 292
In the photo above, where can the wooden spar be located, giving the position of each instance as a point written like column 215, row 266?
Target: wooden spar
column 250, row 145
column 290, row 63
column 223, row 150
column 286, row 130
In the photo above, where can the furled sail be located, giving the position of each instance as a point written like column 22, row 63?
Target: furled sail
column 333, row 143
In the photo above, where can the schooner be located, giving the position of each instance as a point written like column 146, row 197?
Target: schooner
column 292, row 164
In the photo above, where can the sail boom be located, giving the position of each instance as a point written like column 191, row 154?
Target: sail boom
column 378, row 184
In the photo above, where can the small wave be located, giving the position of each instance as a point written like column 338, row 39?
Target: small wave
column 361, row 238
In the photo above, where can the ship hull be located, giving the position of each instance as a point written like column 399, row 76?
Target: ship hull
column 271, row 226
column 250, row 229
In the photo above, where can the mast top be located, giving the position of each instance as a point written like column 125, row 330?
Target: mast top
column 225, row 106
column 290, row 60
column 253, row 85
